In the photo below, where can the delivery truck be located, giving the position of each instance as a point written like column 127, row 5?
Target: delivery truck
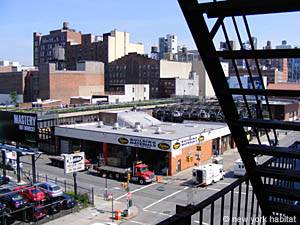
column 208, row 174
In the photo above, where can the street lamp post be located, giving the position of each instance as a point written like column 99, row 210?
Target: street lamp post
column 105, row 193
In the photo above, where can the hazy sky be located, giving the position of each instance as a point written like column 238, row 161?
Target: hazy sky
column 146, row 20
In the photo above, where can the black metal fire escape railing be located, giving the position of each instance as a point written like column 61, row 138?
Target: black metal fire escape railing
column 273, row 183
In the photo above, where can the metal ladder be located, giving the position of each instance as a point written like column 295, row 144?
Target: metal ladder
column 267, row 181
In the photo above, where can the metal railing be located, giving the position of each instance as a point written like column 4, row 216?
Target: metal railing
column 234, row 204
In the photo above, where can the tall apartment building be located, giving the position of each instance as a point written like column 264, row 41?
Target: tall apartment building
column 51, row 47
column 168, row 44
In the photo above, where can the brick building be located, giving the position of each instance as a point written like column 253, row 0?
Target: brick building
column 134, row 69
column 87, row 80
column 139, row 69
column 51, row 47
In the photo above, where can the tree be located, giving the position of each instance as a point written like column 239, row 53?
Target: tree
column 13, row 97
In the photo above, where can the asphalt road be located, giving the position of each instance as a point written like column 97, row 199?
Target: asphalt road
column 158, row 201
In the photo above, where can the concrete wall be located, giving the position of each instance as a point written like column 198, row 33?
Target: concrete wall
column 187, row 86
column 133, row 92
column 171, row 69
column 119, row 45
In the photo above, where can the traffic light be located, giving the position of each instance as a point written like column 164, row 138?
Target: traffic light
column 128, row 177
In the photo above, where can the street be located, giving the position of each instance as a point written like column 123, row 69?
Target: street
column 156, row 201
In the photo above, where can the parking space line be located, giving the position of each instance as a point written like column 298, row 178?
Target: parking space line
column 214, row 189
column 122, row 196
column 133, row 221
column 155, row 212
column 197, row 221
column 168, row 196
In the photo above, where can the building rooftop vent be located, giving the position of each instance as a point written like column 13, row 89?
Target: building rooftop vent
column 116, row 126
column 158, row 130
column 137, row 127
column 100, row 123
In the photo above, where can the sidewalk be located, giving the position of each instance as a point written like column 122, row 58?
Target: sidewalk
column 100, row 213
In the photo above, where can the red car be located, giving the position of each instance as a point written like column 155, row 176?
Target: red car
column 33, row 194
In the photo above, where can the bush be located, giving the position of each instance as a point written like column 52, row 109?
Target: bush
column 82, row 198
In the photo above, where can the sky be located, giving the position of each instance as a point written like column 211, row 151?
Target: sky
column 145, row 20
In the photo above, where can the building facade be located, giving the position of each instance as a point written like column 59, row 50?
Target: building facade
column 170, row 87
column 106, row 48
column 174, row 148
column 134, row 69
column 51, row 47
column 138, row 69
column 168, row 44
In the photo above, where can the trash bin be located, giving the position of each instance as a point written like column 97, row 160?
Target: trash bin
column 118, row 215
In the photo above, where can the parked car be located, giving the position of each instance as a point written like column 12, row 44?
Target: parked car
column 5, row 217
column 67, row 201
column 13, row 200
column 33, row 194
column 4, row 180
column 39, row 212
column 52, row 205
column 50, row 189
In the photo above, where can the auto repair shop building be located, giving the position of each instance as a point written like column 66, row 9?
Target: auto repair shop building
column 166, row 147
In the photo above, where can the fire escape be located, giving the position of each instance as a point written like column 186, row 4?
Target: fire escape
column 273, row 182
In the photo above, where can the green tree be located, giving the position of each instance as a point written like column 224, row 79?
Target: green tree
column 13, row 97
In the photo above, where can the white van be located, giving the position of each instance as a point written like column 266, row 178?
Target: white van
column 208, row 174
column 239, row 168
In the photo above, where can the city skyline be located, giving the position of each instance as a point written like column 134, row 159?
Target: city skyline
column 155, row 19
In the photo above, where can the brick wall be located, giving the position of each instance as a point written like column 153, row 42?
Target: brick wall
column 63, row 86
column 206, row 153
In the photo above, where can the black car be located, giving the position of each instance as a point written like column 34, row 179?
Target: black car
column 67, row 201
column 5, row 217
column 13, row 200
column 4, row 180
column 52, row 205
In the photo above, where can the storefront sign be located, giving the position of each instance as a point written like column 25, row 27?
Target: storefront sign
column 123, row 141
column 19, row 127
column 74, row 162
column 176, row 145
column 163, row 146
column 201, row 138
column 146, row 143
column 25, row 122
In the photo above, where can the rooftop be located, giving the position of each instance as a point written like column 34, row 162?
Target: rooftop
column 169, row 131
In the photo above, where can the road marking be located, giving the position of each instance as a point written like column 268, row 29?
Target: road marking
column 133, row 221
column 168, row 196
column 224, row 183
column 197, row 221
column 122, row 196
column 214, row 189
column 116, row 188
column 155, row 212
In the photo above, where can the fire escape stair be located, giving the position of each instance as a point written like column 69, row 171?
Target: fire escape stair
column 196, row 15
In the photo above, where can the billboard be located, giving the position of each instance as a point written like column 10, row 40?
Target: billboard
column 74, row 162
column 19, row 127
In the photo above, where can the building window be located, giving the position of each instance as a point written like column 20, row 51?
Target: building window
column 132, row 98
column 133, row 89
column 144, row 89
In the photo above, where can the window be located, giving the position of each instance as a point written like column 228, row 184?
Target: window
column 132, row 98
column 144, row 89
column 133, row 89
